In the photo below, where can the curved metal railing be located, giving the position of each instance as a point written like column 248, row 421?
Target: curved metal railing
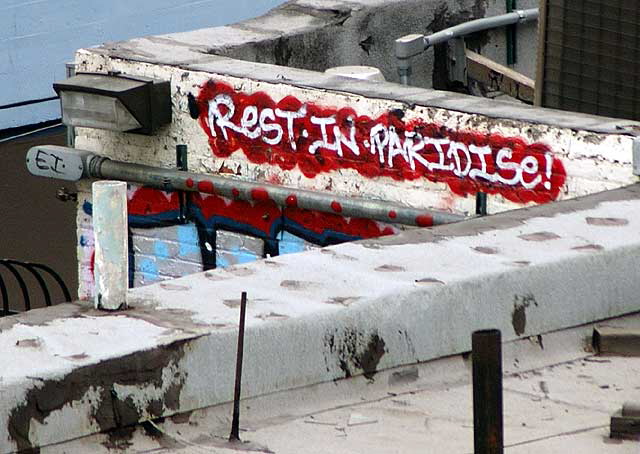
column 37, row 271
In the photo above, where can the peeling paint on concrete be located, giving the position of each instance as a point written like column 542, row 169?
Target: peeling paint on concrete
column 355, row 351
column 97, row 386
column 519, row 314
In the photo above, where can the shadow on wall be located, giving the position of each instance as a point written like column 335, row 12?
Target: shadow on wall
column 209, row 231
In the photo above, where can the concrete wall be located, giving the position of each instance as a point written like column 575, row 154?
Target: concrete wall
column 347, row 310
column 38, row 38
column 420, row 148
column 316, row 35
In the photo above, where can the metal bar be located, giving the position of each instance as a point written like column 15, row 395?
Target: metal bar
column 56, row 277
column 283, row 196
column 27, row 103
column 478, row 25
column 110, row 227
column 181, row 164
column 235, row 423
column 481, row 203
column 511, row 36
column 21, row 283
column 636, row 156
column 38, row 277
column 5, row 297
column 487, row 392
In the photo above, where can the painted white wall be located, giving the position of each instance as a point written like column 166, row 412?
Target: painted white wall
column 37, row 37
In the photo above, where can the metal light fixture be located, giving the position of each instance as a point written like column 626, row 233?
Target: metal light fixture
column 115, row 101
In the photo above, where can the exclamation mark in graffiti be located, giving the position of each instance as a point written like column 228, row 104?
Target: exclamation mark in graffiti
column 549, row 159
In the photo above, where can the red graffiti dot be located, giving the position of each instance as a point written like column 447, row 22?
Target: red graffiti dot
column 260, row 195
column 292, row 201
column 424, row 220
column 235, row 193
column 335, row 206
column 393, row 214
column 189, row 183
column 206, row 186
column 388, row 231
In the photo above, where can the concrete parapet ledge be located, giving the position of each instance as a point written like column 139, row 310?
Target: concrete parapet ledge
column 346, row 310
column 294, row 43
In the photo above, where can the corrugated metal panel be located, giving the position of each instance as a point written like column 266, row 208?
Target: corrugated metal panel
column 591, row 57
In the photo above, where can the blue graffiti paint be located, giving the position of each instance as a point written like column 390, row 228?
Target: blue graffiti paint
column 83, row 241
column 87, row 208
column 290, row 243
column 161, row 249
column 149, row 268
column 188, row 240
column 244, row 256
column 222, row 261
column 235, row 256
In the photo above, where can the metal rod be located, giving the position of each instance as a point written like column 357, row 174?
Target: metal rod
column 56, row 277
column 481, row 203
column 27, row 103
column 5, row 297
column 21, row 283
column 181, row 164
column 235, row 423
column 511, row 36
column 487, row 392
column 283, row 196
column 38, row 278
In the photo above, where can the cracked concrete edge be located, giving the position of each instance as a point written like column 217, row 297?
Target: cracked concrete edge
column 190, row 365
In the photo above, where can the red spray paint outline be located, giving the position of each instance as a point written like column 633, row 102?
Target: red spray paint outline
column 324, row 160
column 260, row 213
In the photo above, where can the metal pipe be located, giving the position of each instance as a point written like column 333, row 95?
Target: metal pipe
column 235, row 423
column 71, row 131
column 110, row 228
column 171, row 179
column 409, row 46
column 487, row 392
column 485, row 23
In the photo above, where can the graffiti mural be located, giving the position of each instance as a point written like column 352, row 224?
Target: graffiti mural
column 316, row 139
column 219, row 232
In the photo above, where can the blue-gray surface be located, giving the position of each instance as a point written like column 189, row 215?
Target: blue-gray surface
column 38, row 36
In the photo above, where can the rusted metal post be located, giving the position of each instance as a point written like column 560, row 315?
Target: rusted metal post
column 235, row 423
column 481, row 203
column 181, row 164
column 112, row 256
column 487, row 392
